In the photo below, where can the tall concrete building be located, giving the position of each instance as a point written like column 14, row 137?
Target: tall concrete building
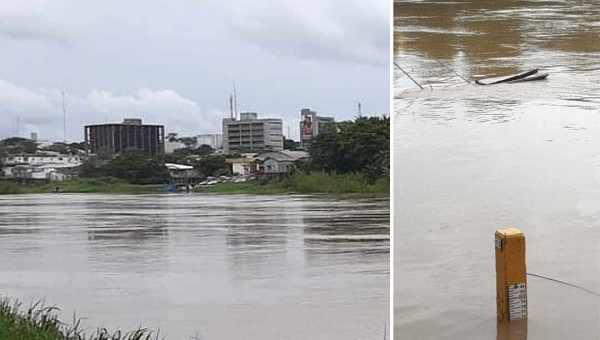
column 131, row 135
column 250, row 134
column 311, row 125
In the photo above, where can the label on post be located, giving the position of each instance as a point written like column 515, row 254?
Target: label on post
column 517, row 301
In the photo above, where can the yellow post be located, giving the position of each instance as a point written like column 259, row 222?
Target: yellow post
column 511, row 275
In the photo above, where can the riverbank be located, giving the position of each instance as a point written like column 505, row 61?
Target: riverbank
column 41, row 322
column 87, row 185
column 302, row 183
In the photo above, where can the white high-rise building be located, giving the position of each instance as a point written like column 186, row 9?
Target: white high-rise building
column 250, row 134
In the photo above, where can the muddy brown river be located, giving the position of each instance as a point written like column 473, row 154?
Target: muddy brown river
column 470, row 159
column 203, row 266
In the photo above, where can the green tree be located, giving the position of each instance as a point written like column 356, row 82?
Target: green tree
column 362, row 145
column 188, row 141
column 178, row 156
column 93, row 168
column 12, row 141
column 16, row 145
column 3, row 155
column 212, row 165
column 137, row 168
column 29, row 146
column 76, row 148
column 203, row 150
column 59, row 147
column 132, row 166
column 105, row 153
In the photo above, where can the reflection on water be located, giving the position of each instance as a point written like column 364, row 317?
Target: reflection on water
column 515, row 330
column 218, row 267
column 473, row 159
column 496, row 37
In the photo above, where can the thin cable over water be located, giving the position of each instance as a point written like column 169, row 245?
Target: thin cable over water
column 565, row 283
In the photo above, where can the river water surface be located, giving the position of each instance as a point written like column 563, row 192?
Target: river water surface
column 203, row 266
column 472, row 159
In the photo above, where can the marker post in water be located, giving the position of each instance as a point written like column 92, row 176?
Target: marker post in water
column 511, row 275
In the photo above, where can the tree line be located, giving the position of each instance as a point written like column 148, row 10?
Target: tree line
column 359, row 146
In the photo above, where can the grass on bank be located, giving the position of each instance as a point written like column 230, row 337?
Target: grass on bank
column 313, row 183
column 300, row 182
column 83, row 185
column 40, row 322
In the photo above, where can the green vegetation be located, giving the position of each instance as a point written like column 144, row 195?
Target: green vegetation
column 320, row 182
column 212, row 165
column 18, row 145
column 361, row 146
column 10, row 188
column 40, row 322
column 299, row 182
column 136, row 168
column 304, row 183
column 132, row 167
column 83, row 185
column 183, row 155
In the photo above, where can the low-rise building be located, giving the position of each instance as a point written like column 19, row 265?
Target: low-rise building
column 243, row 166
column 279, row 162
column 41, row 166
column 43, row 173
column 39, row 158
column 182, row 174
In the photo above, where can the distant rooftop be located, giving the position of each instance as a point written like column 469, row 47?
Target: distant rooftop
column 132, row 121
column 172, row 166
column 126, row 121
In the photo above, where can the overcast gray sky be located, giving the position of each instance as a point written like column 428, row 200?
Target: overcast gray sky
column 174, row 62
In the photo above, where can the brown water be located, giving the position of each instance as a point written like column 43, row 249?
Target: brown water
column 472, row 159
column 202, row 266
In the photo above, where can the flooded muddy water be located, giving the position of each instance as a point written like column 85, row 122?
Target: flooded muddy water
column 471, row 159
column 203, row 266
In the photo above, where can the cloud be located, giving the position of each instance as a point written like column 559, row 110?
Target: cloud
column 34, row 20
column 40, row 110
column 353, row 30
column 31, row 29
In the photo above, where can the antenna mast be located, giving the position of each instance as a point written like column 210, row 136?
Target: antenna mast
column 230, row 105
column 359, row 110
column 235, row 101
column 64, row 118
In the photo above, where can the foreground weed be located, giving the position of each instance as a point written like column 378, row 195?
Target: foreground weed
column 40, row 322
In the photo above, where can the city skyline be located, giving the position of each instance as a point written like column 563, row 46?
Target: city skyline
column 293, row 129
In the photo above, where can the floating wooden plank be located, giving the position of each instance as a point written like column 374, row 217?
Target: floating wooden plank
column 539, row 76
column 500, row 80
